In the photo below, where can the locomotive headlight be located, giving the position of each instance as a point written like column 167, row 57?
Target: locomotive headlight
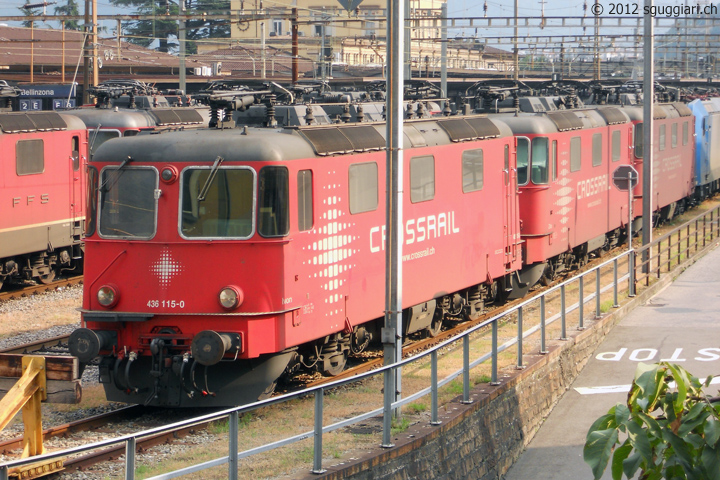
column 169, row 174
column 230, row 297
column 108, row 296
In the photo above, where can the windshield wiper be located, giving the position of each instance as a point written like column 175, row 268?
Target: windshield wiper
column 211, row 177
column 105, row 187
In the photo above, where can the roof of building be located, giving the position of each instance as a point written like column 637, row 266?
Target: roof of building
column 248, row 58
column 20, row 46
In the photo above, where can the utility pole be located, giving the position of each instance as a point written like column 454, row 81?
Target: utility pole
column 295, row 49
column 95, row 42
column 182, row 26
column 648, row 100
column 443, row 50
column 516, row 53
column 597, row 43
column 391, row 334
column 86, row 56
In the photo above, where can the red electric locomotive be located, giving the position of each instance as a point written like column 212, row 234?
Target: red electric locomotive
column 220, row 259
column 42, row 214
column 673, row 177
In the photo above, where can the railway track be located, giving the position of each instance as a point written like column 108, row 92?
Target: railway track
column 33, row 289
column 55, row 345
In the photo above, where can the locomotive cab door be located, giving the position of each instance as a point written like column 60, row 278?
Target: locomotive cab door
column 77, row 189
column 510, row 208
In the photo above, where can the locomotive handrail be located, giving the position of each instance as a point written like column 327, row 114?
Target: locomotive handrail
column 710, row 217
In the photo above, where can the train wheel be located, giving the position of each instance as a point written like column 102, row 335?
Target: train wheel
column 334, row 365
column 47, row 278
column 267, row 393
column 436, row 325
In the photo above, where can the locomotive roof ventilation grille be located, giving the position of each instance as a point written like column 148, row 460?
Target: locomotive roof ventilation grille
column 23, row 122
column 473, row 128
column 612, row 115
column 565, row 121
column 334, row 140
column 659, row 112
column 175, row 116
column 682, row 109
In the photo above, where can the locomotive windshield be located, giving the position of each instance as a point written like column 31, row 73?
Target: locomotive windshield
column 226, row 208
column 127, row 202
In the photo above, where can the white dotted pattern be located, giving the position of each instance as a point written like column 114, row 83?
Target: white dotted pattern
column 331, row 253
column 166, row 268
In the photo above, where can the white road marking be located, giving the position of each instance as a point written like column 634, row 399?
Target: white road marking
column 620, row 388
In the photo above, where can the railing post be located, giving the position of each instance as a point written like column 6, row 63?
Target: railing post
column 434, row 389
column 3, row 473
column 712, row 224
column 543, row 348
column 581, row 303
column 697, row 243
column 704, row 236
column 520, row 338
column 233, row 445
column 130, row 459
column 466, row 369
column 631, row 272
column 317, row 449
column 563, row 314
column 615, row 284
column 494, row 355
column 388, row 396
column 598, row 313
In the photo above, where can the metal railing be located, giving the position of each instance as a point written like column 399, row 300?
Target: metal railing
column 671, row 248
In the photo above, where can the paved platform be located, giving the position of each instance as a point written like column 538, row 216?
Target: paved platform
column 681, row 324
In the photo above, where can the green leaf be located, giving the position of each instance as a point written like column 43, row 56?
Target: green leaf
column 682, row 451
column 618, row 460
column 682, row 381
column 652, row 424
column 622, row 414
column 598, row 448
column 603, row 423
column 710, row 463
column 639, row 440
column 649, row 379
column 712, row 431
column 693, row 419
column 630, row 465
